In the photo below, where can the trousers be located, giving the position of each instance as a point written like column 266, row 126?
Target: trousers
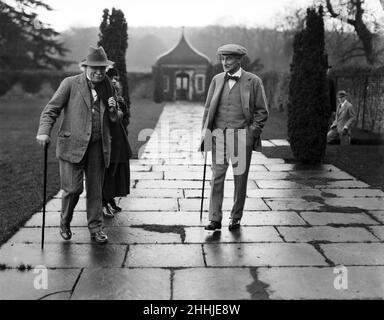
column 236, row 147
column 71, row 177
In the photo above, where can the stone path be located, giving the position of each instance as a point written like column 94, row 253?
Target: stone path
column 307, row 233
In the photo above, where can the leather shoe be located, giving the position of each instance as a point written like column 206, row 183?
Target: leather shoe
column 65, row 233
column 99, row 237
column 234, row 224
column 114, row 205
column 213, row 225
column 107, row 212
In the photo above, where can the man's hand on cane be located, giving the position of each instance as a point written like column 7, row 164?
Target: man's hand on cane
column 43, row 139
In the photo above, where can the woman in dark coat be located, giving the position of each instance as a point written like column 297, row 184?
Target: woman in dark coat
column 117, row 176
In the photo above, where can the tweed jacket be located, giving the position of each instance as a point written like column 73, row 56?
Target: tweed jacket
column 345, row 117
column 73, row 97
column 253, row 102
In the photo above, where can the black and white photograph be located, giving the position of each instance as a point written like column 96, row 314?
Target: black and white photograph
column 191, row 156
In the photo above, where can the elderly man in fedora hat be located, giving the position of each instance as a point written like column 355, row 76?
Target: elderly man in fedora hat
column 84, row 142
column 340, row 130
column 234, row 116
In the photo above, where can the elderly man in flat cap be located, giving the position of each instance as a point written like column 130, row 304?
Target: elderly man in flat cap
column 84, row 143
column 345, row 118
column 234, row 116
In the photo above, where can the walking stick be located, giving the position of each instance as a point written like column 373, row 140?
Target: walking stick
column 202, row 192
column 44, row 192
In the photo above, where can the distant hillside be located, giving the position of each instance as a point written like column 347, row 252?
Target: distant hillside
column 145, row 44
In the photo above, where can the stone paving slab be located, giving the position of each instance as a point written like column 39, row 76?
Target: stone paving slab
column 19, row 285
column 170, row 184
column 363, row 254
column 262, row 254
column 116, row 235
column 243, row 235
column 293, row 167
column 353, row 193
column 165, row 256
column 195, row 204
column 156, row 193
column 147, row 175
column 213, row 284
column 324, row 233
column 362, row 203
column 318, row 283
column 292, row 204
column 123, row 284
column 378, row 231
column 62, row 255
column 324, row 218
column 283, row 184
column 378, row 214
column 152, row 204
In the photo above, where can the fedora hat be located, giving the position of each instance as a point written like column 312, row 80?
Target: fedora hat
column 96, row 58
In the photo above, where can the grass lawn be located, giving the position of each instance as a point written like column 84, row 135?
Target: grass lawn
column 362, row 159
column 21, row 159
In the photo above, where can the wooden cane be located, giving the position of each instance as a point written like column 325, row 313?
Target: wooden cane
column 44, row 193
column 202, row 192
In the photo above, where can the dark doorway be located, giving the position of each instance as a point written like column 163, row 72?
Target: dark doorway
column 182, row 86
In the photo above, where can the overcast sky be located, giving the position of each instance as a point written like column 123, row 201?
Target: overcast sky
column 170, row 12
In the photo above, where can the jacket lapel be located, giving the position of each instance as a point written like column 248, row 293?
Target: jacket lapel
column 245, row 91
column 84, row 90
column 216, row 97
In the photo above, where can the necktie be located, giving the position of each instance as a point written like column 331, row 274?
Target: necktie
column 229, row 77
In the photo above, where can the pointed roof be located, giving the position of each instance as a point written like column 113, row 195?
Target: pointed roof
column 183, row 53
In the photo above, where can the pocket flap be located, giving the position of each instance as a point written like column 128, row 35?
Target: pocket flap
column 64, row 134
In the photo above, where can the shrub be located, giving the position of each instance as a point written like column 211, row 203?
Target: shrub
column 308, row 106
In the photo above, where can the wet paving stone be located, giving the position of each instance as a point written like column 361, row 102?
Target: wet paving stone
column 378, row 214
column 242, row 235
column 123, row 284
column 363, row 254
column 292, row 167
column 116, row 235
column 271, row 218
column 169, row 184
column 213, row 284
column 20, row 285
column 146, row 204
column 292, row 204
column 147, row 175
column 319, row 283
column 195, row 204
column 165, row 256
column 156, row 193
column 283, row 184
column 324, row 218
column 354, row 193
column 262, row 254
column 378, row 231
column 63, row 255
column 362, row 203
column 282, row 193
column 324, row 233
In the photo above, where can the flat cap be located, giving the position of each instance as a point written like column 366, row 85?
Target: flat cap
column 232, row 49
column 342, row 93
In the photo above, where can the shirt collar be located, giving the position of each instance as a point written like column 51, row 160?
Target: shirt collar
column 237, row 73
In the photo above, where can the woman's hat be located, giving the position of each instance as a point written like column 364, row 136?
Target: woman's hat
column 96, row 58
